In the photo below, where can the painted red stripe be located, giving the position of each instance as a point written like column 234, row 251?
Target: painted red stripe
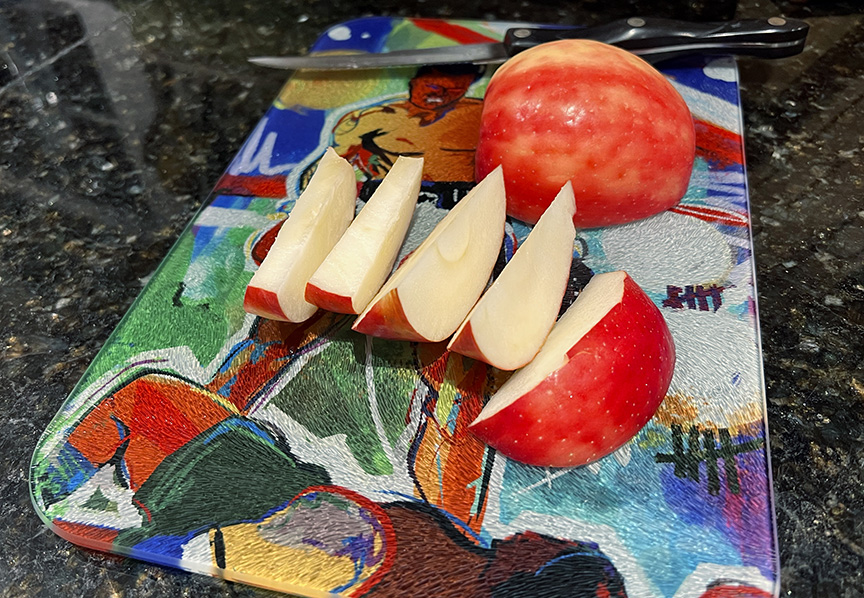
column 457, row 33
column 252, row 186
column 718, row 145
column 144, row 508
column 712, row 215
column 89, row 536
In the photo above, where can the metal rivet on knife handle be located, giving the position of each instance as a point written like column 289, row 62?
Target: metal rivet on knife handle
column 636, row 22
column 777, row 21
column 522, row 33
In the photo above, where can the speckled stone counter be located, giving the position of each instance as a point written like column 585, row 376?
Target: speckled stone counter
column 118, row 116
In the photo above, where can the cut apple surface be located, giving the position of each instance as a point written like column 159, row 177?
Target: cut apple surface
column 433, row 290
column 508, row 325
column 317, row 221
column 599, row 378
column 363, row 258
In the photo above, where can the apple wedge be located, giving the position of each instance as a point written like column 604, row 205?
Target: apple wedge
column 363, row 258
column 508, row 325
column 317, row 221
column 433, row 290
column 602, row 373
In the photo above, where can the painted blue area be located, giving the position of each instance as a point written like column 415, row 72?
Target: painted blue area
column 367, row 34
column 558, row 559
column 234, row 423
column 203, row 237
column 236, row 202
column 359, row 564
column 282, row 138
column 520, row 230
column 741, row 310
column 481, row 540
column 691, row 72
column 628, row 499
column 211, row 235
column 122, row 430
column 731, row 168
column 167, row 548
column 511, row 242
column 464, row 527
column 234, row 351
column 268, row 513
column 124, row 471
column 453, row 416
column 724, row 193
column 259, row 350
column 593, row 242
column 225, row 389
column 70, row 469
column 699, row 180
column 738, row 520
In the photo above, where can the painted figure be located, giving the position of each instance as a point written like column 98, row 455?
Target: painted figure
column 435, row 121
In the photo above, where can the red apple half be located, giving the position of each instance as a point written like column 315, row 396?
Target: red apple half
column 595, row 115
column 433, row 290
column 511, row 320
column 599, row 378
column 363, row 258
column 316, row 222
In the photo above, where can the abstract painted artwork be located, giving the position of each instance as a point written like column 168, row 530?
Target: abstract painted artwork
column 314, row 460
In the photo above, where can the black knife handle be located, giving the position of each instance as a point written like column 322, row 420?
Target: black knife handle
column 661, row 39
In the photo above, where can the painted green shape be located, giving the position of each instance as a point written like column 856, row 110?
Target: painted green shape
column 330, row 396
column 229, row 473
column 201, row 325
column 263, row 206
column 99, row 502
column 394, row 368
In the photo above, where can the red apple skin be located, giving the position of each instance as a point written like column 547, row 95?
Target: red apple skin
column 387, row 319
column 615, row 380
column 339, row 304
column 593, row 114
column 466, row 344
column 264, row 303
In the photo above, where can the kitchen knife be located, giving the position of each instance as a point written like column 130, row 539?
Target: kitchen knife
column 652, row 39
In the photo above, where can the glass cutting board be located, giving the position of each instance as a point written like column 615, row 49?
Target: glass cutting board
column 313, row 460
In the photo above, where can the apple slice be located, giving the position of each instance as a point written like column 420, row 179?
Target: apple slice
column 319, row 218
column 435, row 287
column 602, row 373
column 508, row 325
column 363, row 258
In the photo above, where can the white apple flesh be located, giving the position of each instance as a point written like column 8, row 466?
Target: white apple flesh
column 508, row 325
column 363, row 258
column 433, row 290
column 316, row 222
column 599, row 378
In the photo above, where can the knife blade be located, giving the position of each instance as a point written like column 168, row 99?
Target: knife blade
column 653, row 39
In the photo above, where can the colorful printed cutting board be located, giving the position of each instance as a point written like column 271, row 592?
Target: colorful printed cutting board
column 313, row 460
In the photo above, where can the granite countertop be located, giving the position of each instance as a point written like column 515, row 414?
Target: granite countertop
column 118, row 116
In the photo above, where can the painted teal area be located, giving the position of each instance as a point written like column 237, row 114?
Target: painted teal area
column 630, row 500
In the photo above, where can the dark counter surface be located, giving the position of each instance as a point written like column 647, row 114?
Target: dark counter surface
column 118, row 116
